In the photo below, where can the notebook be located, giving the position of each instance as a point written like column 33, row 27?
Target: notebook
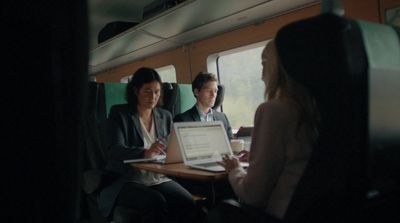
column 202, row 144
column 173, row 154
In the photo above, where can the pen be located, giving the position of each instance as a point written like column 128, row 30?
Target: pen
column 162, row 142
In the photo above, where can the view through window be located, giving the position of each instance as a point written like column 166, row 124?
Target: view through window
column 167, row 74
column 239, row 71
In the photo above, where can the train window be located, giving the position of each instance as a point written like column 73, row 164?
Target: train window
column 239, row 70
column 125, row 79
column 167, row 73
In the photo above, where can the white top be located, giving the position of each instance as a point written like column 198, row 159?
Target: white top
column 145, row 177
column 277, row 160
column 205, row 117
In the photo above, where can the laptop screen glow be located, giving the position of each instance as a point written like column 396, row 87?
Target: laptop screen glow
column 202, row 141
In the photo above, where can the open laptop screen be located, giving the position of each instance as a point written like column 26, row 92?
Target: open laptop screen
column 203, row 140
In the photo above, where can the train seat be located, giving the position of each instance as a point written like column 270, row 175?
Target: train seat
column 339, row 61
column 328, row 58
column 94, row 176
column 186, row 98
column 382, row 46
column 342, row 62
column 360, row 62
column 171, row 97
column 220, row 96
column 101, row 97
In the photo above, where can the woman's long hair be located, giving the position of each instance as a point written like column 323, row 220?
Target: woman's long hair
column 281, row 86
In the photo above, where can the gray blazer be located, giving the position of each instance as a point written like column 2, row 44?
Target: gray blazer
column 193, row 115
column 126, row 142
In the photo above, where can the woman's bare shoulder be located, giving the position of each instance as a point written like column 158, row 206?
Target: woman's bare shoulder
column 277, row 109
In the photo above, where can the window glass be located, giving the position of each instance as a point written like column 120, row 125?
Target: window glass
column 239, row 70
column 167, row 74
column 125, row 79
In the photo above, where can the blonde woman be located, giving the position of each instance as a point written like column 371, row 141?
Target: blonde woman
column 283, row 136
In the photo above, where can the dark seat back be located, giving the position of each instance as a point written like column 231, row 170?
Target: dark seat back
column 343, row 64
column 382, row 45
column 220, row 96
column 171, row 96
column 95, row 117
column 327, row 56
column 101, row 97
column 94, row 176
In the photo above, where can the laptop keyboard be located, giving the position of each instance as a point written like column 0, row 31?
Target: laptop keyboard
column 244, row 165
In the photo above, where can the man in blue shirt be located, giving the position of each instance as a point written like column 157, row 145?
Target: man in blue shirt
column 205, row 89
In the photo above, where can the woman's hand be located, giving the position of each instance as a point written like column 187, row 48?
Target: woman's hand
column 243, row 156
column 229, row 163
column 155, row 149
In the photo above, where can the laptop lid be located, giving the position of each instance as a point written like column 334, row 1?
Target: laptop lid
column 202, row 142
column 173, row 151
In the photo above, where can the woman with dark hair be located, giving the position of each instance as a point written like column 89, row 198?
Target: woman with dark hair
column 135, row 132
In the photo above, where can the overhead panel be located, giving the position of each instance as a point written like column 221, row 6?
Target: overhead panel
column 187, row 22
column 241, row 18
column 121, row 46
column 197, row 13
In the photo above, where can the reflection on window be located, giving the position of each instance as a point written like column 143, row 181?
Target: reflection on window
column 125, row 79
column 240, row 71
column 167, row 73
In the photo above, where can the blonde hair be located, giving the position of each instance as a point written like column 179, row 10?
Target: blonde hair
column 271, row 89
column 282, row 87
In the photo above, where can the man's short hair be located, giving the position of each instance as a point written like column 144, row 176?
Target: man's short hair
column 201, row 79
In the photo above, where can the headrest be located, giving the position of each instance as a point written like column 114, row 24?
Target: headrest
column 114, row 94
column 96, row 101
column 186, row 97
column 171, row 97
column 326, row 55
column 324, row 50
column 220, row 96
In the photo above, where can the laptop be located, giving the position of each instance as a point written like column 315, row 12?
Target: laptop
column 173, row 154
column 202, row 144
